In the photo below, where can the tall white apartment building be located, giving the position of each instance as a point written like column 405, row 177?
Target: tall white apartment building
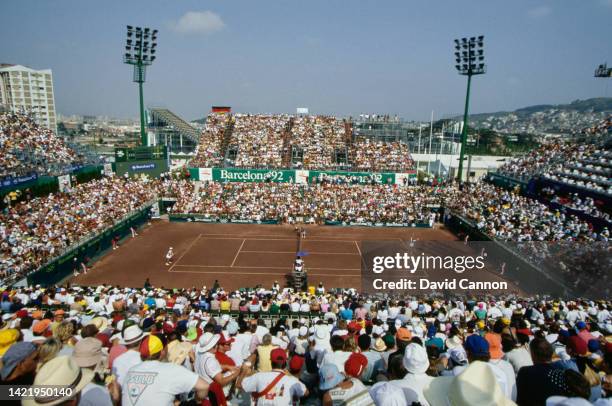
column 29, row 91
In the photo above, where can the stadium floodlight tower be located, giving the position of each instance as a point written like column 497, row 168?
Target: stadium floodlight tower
column 603, row 71
column 140, row 48
column 469, row 58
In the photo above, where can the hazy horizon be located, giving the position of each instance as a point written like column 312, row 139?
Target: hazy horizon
column 333, row 58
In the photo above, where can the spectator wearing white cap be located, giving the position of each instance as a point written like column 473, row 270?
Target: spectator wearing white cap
column 416, row 363
column 206, row 364
column 387, row 394
column 131, row 336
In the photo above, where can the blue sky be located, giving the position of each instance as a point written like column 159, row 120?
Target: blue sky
column 335, row 57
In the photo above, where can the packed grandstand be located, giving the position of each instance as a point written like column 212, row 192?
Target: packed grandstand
column 276, row 345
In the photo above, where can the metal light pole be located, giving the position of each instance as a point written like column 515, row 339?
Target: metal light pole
column 603, row 71
column 140, row 52
column 469, row 56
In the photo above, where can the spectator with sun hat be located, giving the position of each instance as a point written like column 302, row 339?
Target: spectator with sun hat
column 62, row 372
column 131, row 336
column 209, row 369
column 88, row 355
column 416, row 363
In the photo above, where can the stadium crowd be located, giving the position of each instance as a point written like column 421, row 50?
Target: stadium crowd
column 314, row 203
column 318, row 137
column 538, row 160
column 262, row 141
column 509, row 216
column 276, row 346
column 258, row 140
column 586, row 166
column 26, row 147
column 208, row 152
column 371, row 156
column 37, row 230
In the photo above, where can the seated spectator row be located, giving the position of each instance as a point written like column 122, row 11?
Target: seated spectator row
column 585, row 166
column 150, row 346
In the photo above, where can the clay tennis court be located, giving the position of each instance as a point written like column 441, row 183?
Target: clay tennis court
column 242, row 255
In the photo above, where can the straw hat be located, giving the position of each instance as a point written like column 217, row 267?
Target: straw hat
column 178, row 351
column 379, row 345
column 474, row 386
column 63, row 372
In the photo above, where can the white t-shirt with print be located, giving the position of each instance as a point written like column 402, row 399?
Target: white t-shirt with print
column 280, row 395
column 156, row 383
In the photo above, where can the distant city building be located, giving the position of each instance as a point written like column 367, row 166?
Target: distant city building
column 29, row 91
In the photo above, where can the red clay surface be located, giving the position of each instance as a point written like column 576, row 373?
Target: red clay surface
column 242, row 255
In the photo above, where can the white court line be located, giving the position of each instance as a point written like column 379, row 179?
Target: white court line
column 358, row 249
column 309, row 252
column 322, row 238
column 266, row 273
column 250, row 239
column 288, row 268
column 237, row 253
column 256, row 238
column 186, row 251
column 276, row 239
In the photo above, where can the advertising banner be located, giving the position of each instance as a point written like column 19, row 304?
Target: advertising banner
column 190, row 218
column 252, row 175
column 300, row 176
column 352, row 177
column 10, row 182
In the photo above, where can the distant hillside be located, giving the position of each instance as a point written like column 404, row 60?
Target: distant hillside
column 547, row 118
column 595, row 105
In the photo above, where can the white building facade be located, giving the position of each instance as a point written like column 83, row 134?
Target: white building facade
column 29, row 91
